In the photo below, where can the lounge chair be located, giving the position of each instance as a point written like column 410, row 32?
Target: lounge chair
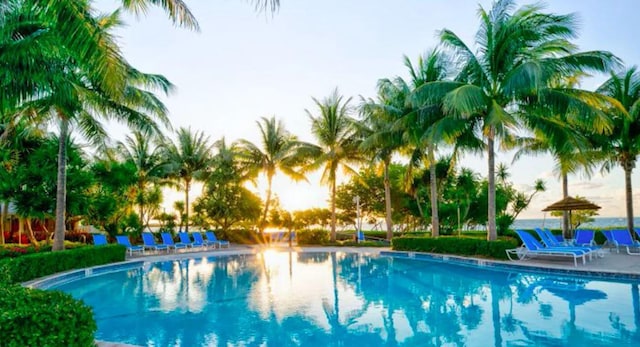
column 584, row 237
column 186, row 239
column 551, row 241
column 197, row 239
column 531, row 248
column 124, row 240
column 99, row 239
column 622, row 238
column 211, row 236
column 167, row 239
column 150, row 243
column 609, row 241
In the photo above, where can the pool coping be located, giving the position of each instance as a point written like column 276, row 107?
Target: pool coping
column 535, row 267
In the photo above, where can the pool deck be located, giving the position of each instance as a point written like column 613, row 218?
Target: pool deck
column 612, row 264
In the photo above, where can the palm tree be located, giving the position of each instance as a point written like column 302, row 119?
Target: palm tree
column 187, row 159
column 280, row 151
column 338, row 145
column 518, row 52
column 75, row 87
column 623, row 146
column 382, row 138
column 137, row 149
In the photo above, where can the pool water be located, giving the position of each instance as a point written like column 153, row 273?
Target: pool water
column 352, row 299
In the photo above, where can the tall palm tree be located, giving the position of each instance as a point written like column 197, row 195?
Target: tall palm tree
column 74, row 88
column 279, row 151
column 382, row 138
column 623, row 146
column 143, row 151
column 338, row 145
column 187, row 159
column 518, row 52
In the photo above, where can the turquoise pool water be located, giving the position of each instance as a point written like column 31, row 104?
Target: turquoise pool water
column 352, row 299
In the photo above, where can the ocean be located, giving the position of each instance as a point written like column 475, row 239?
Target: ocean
column 555, row 223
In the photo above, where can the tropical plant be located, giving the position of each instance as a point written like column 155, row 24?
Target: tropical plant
column 338, row 145
column 145, row 153
column 279, row 151
column 382, row 137
column 225, row 201
column 623, row 145
column 187, row 160
column 518, row 52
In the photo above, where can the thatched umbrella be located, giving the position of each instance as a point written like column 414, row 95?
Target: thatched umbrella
column 571, row 204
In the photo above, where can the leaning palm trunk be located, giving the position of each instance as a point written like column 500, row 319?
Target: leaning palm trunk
column 61, row 192
column 565, row 214
column 435, row 223
column 492, row 234
column 628, row 168
column 387, row 201
column 30, row 234
column 333, row 210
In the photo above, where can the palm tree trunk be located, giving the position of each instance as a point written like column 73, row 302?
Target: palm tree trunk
column 435, row 223
column 61, row 192
column 565, row 214
column 3, row 219
column 30, row 235
column 628, row 168
column 387, row 201
column 141, row 204
column 491, row 210
column 266, row 204
column 187, row 186
column 333, row 210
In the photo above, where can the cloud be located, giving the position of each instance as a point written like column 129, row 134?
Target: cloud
column 587, row 185
column 546, row 175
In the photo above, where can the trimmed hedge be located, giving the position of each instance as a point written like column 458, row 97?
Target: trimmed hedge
column 456, row 246
column 31, row 266
column 30, row 317
column 312, row 237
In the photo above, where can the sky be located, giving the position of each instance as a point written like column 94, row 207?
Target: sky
column 244, row 65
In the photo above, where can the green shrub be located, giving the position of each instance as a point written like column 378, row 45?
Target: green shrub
column 31, row 317
column 456, row 245
column 312, row 237
column 28, row 267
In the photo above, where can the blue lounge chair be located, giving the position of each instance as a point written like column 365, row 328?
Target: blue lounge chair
column 551, row 241
column 186, row 239
column 99, row 239
column 167, row 239
column 211, row 236
column 584, row 237
column 609, row 241
column 531, row 248
column 197, row 239
column 150, row 243
column 622, row 238
column 124, row 240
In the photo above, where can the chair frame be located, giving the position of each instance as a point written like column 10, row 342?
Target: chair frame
column 531, row 248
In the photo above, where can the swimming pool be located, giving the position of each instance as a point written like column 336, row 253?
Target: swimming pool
column 353, row 299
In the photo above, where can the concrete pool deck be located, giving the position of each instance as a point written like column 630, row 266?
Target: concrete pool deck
column 613, row 266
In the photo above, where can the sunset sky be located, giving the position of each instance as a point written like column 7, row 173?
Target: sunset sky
column 243, row 66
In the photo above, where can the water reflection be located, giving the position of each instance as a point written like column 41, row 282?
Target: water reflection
column 317, row 299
